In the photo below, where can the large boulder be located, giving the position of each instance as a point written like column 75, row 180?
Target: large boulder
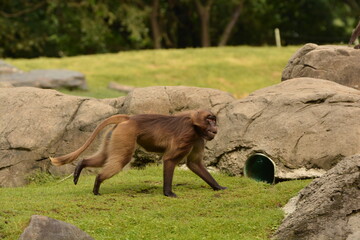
column 334, row 63
column 165, row 100
column 170, row 100
column 45, row 228
column 51, row 78
column 329, row 208
column 37, row 123
column 304, row 125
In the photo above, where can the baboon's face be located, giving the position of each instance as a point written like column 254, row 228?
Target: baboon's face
column 206, row 123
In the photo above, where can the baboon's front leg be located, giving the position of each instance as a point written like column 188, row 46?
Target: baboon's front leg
column 168, row 173
column 199, row 169
column 195, row 164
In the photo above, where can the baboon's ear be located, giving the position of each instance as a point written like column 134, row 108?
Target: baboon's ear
column 197, row 117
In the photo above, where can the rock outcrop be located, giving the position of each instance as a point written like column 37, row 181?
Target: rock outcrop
column 37, row 123
column 305, row 125
column 165, row 100
column 334, row 63
column 328, row 208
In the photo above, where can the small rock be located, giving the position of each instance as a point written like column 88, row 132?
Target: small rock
column 45, row 228
column 6, row 68
column 55, row 78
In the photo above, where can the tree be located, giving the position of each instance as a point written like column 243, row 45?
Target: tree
column 204, row 13
column 354, row 6
column 156, row 32
column 58, row 28
column 230, row 26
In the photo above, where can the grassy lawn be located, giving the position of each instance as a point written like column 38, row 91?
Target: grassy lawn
column 239, row 70
column 132, row 206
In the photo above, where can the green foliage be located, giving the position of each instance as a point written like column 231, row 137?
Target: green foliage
column 132, row 206
column 57, row 28
column 134, row 20
column 62, row 28
column 299, row 22
column 238, row 70
column 41, row 177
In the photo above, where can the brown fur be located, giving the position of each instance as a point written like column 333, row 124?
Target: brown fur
column 68, row 158
column 177, row 137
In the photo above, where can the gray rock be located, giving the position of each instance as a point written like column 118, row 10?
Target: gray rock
column 304, row 125
column 328, row 208
column 334, row 63
column 6, row 68
column 37, row 123
column 45, row 228
column 168, row 100
column 56, row 78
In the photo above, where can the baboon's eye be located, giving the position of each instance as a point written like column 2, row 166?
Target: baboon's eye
column 211, row 119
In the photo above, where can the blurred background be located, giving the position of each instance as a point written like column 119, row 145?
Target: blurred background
column 57, row 28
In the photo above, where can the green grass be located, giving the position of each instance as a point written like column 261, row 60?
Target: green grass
column 239, row 70
column 132, row 206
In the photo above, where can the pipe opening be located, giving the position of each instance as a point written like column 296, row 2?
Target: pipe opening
column 260, row 168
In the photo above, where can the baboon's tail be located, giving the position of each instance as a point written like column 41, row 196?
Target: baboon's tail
column 68, row 158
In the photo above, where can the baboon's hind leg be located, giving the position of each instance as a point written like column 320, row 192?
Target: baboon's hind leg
column 97, row 160
column 112, row 166
column 121, row 149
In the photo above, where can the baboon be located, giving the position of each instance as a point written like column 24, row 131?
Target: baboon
column 177, row 137
column 355, row 34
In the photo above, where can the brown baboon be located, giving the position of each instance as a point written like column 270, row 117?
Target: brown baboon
column 177, row 137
